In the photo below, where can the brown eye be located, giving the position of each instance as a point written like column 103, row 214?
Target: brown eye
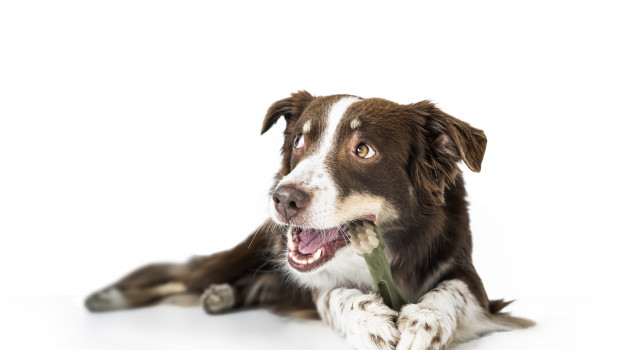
column 298, row 142
column 363, row 150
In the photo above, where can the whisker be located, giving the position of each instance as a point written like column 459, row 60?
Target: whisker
column 256, row 233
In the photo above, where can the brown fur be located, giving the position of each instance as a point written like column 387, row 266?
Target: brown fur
column 429, row 242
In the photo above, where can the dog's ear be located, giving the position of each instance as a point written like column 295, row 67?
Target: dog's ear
column 447, row 141
column 452, row 137
column 290, row 108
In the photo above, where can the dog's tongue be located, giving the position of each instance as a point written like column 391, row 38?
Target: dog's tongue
column 310, row 240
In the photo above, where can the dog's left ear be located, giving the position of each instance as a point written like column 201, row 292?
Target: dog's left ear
column 290, row 108
column 452, row 138
column 446, row 140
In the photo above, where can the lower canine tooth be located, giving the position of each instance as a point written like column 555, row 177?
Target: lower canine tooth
column 318, row 253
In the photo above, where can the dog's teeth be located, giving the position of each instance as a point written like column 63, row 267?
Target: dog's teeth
column 311, row 260
column 318, row 253
column 297, row 259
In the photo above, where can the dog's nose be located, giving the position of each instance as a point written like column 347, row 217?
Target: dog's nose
column 289, row 201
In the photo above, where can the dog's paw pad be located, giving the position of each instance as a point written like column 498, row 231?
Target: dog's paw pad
column 218, row 298
column 422, row 328
column 106, row 300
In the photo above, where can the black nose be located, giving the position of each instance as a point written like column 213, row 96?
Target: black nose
column 289, row 201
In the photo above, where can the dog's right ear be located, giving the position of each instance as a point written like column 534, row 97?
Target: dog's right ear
column 290, row 108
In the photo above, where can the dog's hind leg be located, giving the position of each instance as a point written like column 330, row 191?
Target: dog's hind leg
column 144, row 286
column 239, row 267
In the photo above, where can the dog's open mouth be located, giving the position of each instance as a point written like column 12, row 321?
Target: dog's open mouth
column 310, row 248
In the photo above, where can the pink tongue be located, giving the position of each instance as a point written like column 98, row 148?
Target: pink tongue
column 310, row 240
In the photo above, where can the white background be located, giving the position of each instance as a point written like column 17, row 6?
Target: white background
column 129, row 133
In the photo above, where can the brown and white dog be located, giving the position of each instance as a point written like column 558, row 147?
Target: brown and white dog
column 347, row 158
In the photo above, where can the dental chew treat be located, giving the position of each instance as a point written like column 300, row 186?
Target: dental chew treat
column 366, row 239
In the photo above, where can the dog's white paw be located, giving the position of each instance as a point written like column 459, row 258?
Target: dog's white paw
column 218, row 298
column 371, row 324
column 422, row 328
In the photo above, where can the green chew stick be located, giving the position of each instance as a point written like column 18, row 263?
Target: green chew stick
column 366, row 239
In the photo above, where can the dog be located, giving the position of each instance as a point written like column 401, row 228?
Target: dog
column 347, row 158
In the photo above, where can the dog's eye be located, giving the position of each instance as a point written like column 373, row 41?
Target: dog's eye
column 299, row 141
column 363, row 150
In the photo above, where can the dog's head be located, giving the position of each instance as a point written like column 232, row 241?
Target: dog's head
column 346, row 158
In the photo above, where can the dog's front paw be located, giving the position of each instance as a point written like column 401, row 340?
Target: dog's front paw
column 372, row 324
column 218, row 298
column 422, row 328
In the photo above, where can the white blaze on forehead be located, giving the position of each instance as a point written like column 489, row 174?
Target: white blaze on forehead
column 312, row 176
column 333, row 120
column 307, row 126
